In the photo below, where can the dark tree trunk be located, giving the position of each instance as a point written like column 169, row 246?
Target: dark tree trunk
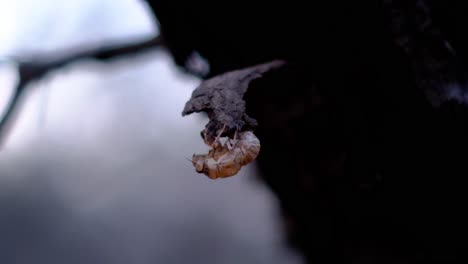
column 363, row 138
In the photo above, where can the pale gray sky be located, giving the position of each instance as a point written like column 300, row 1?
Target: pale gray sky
column 49, row 24
column 103, row 177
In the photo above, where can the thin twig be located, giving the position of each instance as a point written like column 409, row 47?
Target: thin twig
column 36, row 69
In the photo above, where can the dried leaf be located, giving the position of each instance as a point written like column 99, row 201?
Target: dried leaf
column 222, row 98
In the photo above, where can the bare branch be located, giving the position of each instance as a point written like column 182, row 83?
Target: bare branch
column 35, row 69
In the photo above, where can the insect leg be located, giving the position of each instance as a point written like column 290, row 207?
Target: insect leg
column 229, row 144
column 218, row 136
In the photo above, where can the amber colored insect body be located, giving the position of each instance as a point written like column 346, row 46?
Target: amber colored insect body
column 226, row 159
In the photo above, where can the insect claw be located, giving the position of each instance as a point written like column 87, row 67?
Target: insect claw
column 228, row 144
column 219, row 135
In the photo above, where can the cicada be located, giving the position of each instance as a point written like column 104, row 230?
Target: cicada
column 225, row 159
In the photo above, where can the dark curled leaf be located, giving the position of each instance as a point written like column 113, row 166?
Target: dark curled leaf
column 221, row 97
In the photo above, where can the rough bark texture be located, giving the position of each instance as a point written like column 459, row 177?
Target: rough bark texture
column 437, row 69
column 364, row 135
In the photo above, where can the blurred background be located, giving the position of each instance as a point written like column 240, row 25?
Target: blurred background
column 95, row 168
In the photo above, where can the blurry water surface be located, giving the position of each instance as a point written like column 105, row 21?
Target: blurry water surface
column 95, row 170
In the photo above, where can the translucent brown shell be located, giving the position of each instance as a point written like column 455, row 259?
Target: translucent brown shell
column 226, row 159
